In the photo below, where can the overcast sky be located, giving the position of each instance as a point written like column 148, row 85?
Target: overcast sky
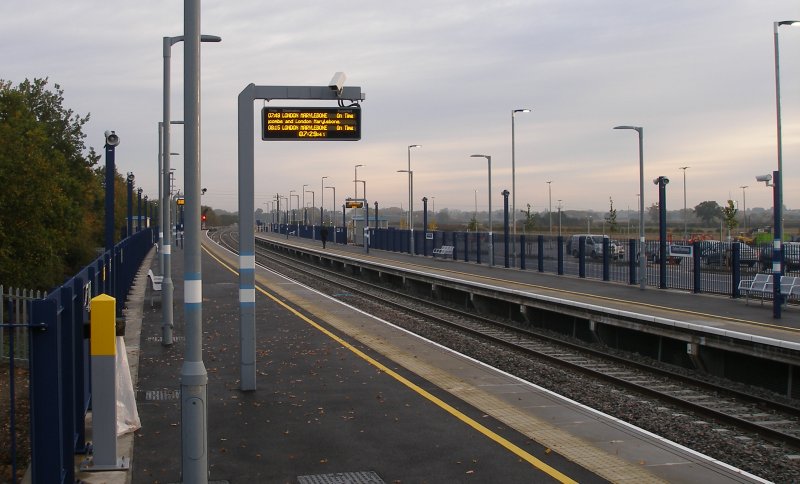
column 698, row 75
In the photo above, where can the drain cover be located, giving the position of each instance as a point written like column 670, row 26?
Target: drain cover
column 368, row 477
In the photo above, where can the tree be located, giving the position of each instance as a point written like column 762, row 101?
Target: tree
column 611, row 218
column 530, row 221
column 708, row 211
column 652, row 212
column 729, row 216
column 51, row 220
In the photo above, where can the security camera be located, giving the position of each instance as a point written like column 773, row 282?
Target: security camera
column 337, row 82
column 764, row 178
column 111, row 138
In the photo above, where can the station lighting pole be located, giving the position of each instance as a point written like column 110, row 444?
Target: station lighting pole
column 514, row 181
column 779, row 180
column 550, row 204
column 322, row 201
column 411, row 199
column 331, row 219
column 744, row 203
column 642, row 255
column 491, row 242
column 167, row 287
column 685, row 213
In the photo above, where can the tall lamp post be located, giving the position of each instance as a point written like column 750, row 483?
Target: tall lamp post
column 411, row 193
column 642, row 256
column 312, row 205
column 779, row 180
column 514, row 180
column 744, row 204
column 322, row 201
column 550, row 205
column 355, row 178
column 685, row 213
column 411, row 199
column 491, row 242
column 167, row 287
column 334, row 206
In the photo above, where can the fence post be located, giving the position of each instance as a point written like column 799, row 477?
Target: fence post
column 606, row 258
column 633, row 260
column 560, row 269
column 582, row 257
column 540, row 253
column 47, row 459
column 696, row 265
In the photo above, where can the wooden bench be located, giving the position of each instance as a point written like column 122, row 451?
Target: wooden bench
column 444, row 250
column 155, row 285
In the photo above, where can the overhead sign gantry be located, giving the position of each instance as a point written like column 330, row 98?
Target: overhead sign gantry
column 348, row 118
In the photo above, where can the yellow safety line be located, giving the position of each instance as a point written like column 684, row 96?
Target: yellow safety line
column 519, row 452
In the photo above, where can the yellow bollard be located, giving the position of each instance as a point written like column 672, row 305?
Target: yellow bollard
column 103, row 350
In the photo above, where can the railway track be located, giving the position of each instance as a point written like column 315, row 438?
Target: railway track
column 747, row 413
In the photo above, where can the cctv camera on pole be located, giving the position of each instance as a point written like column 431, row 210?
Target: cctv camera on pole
column 112, row 140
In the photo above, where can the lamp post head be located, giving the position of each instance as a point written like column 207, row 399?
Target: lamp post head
column 635, row 128
column 505, row 193
column 414, row 146
column 405, row 171
column 480, row 156
column 359, row 165
column 515, row 111
column 765, row 178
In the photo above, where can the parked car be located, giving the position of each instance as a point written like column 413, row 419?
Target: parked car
column 715, row 252
column 652, row 251
column 791, row 257
column 594, row 246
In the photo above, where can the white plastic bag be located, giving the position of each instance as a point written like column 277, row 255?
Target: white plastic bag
column 127, row 413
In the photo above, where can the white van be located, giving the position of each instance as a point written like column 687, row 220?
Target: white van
column 594, row 246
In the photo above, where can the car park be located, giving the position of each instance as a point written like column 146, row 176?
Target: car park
column 791, row 257
column 594, row 246
column 718, row 253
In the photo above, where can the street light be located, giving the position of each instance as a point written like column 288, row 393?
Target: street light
column 312, row 204
column 166, row 283
column 559, row 217
column 744, row 204
column 491, row 243
column 550, row 205
column 779, row 181
column 411, row 199
column 685, row 231
column 411, row 193
column 304, row 214
column 334, row 204
column 355, row 177
column 514, row 179
column 322, row 201
column 642, row 257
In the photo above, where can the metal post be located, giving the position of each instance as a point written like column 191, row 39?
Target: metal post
column 777, row 262
column 194, row 378
column 424, row 226
column 662, row 229
column 139, row 210
column 685, row 215
column 505, row 227
column 514, row 177
column 642, row 257
column 129, row 226
column 744, row 204
column 167, row 287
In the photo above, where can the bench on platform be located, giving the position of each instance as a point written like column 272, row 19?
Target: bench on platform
column 155, row 285
column 444, row 250
column 762, row 286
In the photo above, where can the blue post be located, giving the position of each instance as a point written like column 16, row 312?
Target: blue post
column 662, row 230
column 129, row 230
column 540, row 253
column 777, row 270
column 736, row 270
column 633, row 260
column 505, row 194
column 109, row 205
column 48, row 463
column 139, row 211
column 696, row 266
column 560, row 269
column 582, row 257
column 425, row 226
column 606, row 258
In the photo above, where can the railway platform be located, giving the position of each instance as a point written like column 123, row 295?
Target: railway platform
column 345, row 398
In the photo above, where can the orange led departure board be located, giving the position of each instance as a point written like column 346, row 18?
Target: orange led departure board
column 311, row 124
